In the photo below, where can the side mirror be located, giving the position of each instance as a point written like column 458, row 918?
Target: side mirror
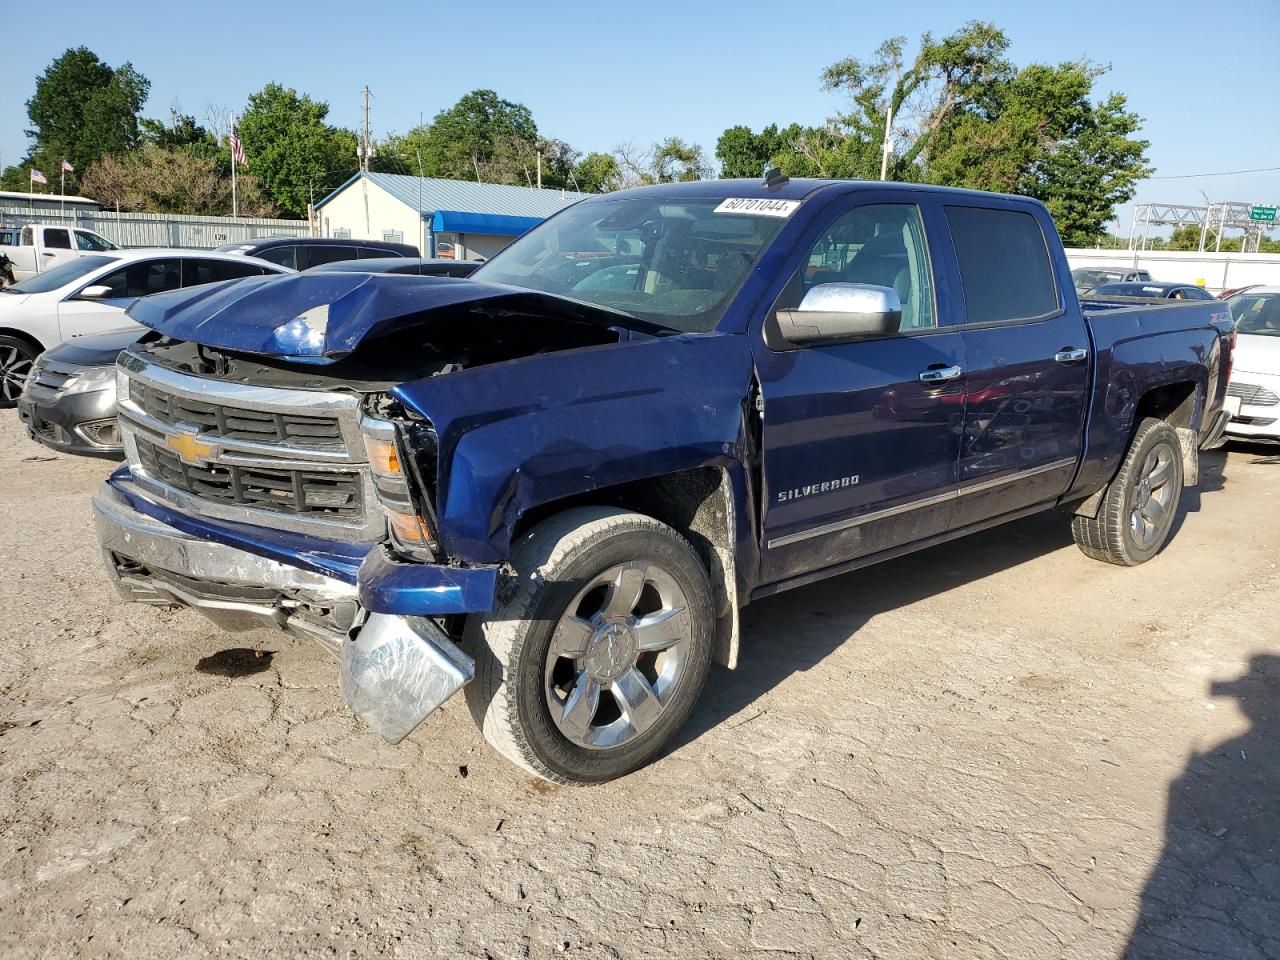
column 96, row 291
column 842, row 312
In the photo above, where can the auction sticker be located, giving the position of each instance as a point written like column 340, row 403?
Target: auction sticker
column 758, row 206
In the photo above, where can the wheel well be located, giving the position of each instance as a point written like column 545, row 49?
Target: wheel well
column 23, row 336
column 697, row 504
column 1175, row 403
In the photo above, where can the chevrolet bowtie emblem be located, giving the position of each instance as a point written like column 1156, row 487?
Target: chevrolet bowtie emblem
column 189, row 447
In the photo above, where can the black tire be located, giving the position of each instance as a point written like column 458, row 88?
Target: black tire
column 554, row 563
column 1128, row 529
column 16, row 357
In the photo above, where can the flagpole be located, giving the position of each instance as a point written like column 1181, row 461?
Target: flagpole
column 235, row 200
column 62, row 192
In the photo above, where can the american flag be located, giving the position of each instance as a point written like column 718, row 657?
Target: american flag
column 237, row 148
column 38, row 177
column 68, row 167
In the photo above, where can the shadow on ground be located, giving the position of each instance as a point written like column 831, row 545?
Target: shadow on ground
column 1215, row 891
column 771, row 652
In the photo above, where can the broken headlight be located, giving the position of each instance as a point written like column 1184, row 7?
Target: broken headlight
column 409, row 516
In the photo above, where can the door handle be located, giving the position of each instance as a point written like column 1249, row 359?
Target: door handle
column 46, row 254
column 940, row 374
column 1071, row 355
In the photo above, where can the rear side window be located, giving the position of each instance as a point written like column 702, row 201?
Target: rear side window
column 57, row 239
column 374, row 253
column 144, row 278
column 1004, row 264
column 196, row 272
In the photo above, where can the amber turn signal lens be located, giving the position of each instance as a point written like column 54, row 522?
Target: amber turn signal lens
column 409, row 528
column 383, row 458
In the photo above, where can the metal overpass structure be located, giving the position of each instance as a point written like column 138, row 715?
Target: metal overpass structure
column 1212, row 216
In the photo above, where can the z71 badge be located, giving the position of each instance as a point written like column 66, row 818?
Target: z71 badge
column 826, row 486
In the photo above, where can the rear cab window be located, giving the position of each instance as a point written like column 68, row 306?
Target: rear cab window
column 1005, row 271
column 57, row 239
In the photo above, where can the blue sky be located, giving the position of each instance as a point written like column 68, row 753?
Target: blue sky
column 596, row 74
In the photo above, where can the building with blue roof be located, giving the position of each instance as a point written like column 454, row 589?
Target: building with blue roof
column 442, row 217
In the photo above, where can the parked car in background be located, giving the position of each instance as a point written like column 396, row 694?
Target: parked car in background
column 42, row 248
column 90, row 295
column 69, row 403
column 302, row 253
column 414, row 267
column 1255, row 375
column 559, row 479
column 1228, row 294
column 1153, row 290
column 1086, row 278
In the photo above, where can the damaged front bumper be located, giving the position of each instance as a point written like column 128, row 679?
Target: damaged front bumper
column 397, row 664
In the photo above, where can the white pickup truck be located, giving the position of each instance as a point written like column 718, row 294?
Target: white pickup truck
column 40, row 248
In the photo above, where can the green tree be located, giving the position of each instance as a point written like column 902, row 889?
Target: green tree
column 461, row 142
column 180, row 130
column 744, row 153
column 172, row 180
column 82, row 109
column 1040, row 134
column 669, row 161
column 597, row 173
column 291, row 149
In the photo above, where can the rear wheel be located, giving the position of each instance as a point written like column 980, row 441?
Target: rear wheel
column 16, row 359
column 1140, row 505
column 594, row 661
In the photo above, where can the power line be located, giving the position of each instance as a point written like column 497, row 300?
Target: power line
column 1224, row 173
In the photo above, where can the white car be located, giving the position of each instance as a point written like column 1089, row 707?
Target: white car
column 1255, row 370
column 90, row 295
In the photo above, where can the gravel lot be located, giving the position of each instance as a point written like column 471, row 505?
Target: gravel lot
column 996, row 748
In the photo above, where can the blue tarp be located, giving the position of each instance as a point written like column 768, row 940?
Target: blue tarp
column 495, row 224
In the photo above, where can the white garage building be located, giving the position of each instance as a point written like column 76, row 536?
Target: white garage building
column 479, row 219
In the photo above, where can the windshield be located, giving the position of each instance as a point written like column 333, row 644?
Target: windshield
column 677, row 264
column 1256, row 313
column 60, row 276
column 1087, row 279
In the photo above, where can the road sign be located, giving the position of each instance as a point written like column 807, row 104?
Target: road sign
column 1262, row 213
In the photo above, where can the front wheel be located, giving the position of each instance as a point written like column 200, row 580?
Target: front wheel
column 1139, row 507
column 590, row 665
column 16, row 359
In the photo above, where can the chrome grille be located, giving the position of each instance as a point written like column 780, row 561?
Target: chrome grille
column 289, row 491
column 281, row 458
column 50, row 377
column 1252, row 394
column 238, row 423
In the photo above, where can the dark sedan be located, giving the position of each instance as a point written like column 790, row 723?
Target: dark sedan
column 69, row 403
column 1154, row 290
column 410, row 265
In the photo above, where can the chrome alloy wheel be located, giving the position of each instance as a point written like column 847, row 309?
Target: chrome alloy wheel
column 15, row 367
column 617, row 655
column 1153, row 496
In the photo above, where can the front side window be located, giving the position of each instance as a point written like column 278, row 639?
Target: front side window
column 674, row 263
column 1004, row 264
column 284, row 256
column 326, row 253
column 143, row 279
column 881, row 244
column 57, row 239
column 86, row 240
column 1257, row 314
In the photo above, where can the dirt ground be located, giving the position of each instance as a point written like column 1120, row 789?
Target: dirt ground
column 996, row 748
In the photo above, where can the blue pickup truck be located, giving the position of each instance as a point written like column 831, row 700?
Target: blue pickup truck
column 555, row 484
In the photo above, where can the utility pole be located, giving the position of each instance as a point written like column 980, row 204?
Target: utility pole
column 539, row 169
column 888, row 127
column 366, row 148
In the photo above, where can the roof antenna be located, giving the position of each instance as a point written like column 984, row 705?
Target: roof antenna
column 773, row 177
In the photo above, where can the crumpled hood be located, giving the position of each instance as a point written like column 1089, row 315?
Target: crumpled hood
column 324, row 316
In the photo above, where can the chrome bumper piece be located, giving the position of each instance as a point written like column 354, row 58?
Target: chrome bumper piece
column 395, row 670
